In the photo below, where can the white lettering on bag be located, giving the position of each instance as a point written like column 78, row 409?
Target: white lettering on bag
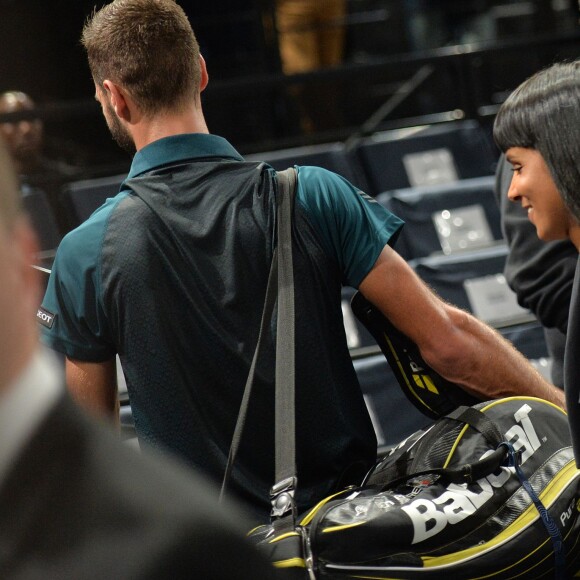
column 429, row 517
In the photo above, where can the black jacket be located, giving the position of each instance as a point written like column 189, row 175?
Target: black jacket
column 78, row 504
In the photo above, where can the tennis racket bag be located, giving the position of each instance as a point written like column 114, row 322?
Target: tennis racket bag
column 426, row 389
column 488, row 491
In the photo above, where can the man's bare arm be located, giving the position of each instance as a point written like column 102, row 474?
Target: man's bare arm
column 456, row 344
column 94, row 386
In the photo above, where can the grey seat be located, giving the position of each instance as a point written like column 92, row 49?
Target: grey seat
column 81, row 198
column 426, row 155
column 446, row 218
column 331, row 156
column 393, row 416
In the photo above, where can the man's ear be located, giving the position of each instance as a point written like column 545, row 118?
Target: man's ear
column 118, row 99
column 204, row 79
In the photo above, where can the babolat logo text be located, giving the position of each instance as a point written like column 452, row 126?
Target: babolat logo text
column 45, row 317
column 430, row 517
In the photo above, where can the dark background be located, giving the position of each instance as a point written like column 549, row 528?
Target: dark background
column 247, row 100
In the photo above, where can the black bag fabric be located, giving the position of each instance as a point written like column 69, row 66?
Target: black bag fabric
column 426, row 389
column 489, row 491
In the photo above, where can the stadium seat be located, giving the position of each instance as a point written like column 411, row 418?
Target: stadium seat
column 426, row 155
column 446, row 218
column 331, row 156
column 393, row 416
column 474, row 281
column 38, row 208
column 81, row 198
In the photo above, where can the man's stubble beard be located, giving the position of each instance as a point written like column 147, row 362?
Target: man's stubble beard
column 120, row 135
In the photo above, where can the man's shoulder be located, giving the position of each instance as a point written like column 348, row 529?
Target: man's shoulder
column 85, row 237
column 323, row 191
column 317, row 181
column 312, row 175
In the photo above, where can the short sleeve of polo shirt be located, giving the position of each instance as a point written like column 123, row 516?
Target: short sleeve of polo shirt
column 79, row 326
column 353, row 227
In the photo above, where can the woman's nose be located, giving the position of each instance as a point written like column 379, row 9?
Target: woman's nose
column 512, row 193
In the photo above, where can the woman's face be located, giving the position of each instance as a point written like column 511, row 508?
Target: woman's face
column 532, row 185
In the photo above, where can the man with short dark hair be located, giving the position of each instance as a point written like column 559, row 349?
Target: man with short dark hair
column 76, row 503
column 171, row 274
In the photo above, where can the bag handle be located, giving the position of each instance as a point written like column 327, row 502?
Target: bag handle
column 466, row 473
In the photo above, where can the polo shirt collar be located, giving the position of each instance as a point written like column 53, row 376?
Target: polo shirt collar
column 180, row 148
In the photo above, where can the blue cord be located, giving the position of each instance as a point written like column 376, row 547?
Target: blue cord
column 547, row 520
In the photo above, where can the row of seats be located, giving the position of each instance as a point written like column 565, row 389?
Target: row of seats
column 386, row 161
column 418, row 156
column 444, row 218
column 411, row 157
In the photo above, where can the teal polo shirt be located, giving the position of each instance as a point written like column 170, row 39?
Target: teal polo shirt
column 171, row 273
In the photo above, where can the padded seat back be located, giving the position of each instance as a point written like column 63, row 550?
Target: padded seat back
column 331, row 156
column 427, row 155
column 475, row 282
column 81, row 198
column 447, row 219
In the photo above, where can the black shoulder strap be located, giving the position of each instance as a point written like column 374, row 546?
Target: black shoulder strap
column 285, row 347
column 280, row 285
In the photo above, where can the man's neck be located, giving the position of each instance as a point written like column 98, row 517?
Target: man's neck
column 161, row 126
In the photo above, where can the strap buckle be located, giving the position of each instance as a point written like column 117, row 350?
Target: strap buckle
column 282, row 497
